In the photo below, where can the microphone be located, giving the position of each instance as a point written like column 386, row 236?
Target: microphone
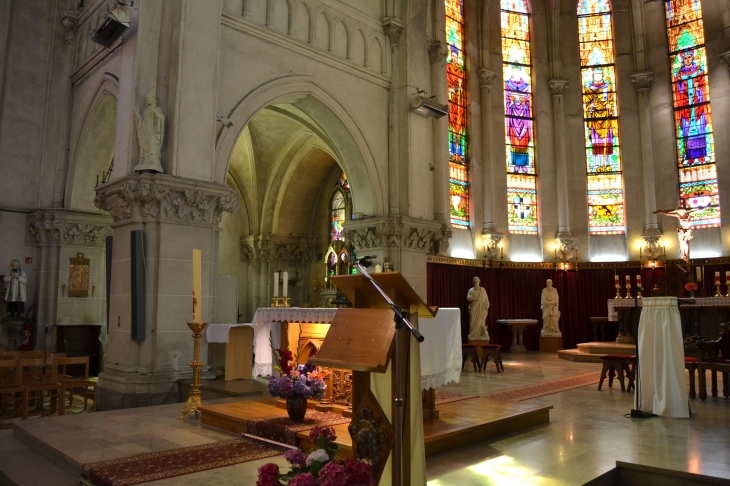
column 365, row 261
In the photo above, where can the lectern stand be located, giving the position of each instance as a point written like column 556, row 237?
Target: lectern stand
column 362, row 339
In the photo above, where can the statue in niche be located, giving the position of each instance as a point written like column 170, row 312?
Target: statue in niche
column 150, row 127
column 478, row 310
column 15, row 281
column 550, row 313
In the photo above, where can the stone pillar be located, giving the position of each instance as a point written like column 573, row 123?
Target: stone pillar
column 59, row 236
column 642, row 83
column 557, row 87
column 177, row 215
column 397, row 196
column 440, row 134
column 489, row 229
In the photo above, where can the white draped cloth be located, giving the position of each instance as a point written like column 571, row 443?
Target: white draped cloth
column 441, row 348
column 661, row 384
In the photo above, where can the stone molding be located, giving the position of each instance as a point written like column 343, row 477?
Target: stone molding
column 558, row 86
column 642, row 81
column 437, row 51
column 725, row 57
column 486, row 77
column 160, row 197
column 274, row 248
column 398, row 232
column 393, row 28
column 65, row 228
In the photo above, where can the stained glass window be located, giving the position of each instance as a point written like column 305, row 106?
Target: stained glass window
column 456, row 83
column 337, row 216
column 692, row 115
column 519, row 123
column 600, row 118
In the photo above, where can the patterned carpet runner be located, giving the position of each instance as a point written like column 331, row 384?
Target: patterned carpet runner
column 527, row 392
column 282, row 429
column 176, row 462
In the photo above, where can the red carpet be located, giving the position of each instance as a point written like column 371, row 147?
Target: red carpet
column 526, row 392
column 176, row 462
column 280, row 428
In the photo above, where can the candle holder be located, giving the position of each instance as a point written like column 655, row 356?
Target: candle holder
column 628, row 291
column 275, row 302
column 618, row 292
column 639, row 296
column 195, row 401
column 284, row 302
column 717, row 292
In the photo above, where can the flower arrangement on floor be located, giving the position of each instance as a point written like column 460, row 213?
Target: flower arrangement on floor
column 319, row 467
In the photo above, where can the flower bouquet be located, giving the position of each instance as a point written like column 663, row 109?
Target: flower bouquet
column 690, row 287
column 319, row 467
column 296, row 385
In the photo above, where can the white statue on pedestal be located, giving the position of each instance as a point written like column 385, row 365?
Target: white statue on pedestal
column 550, row 313
column 150, row 127
column 478, row 310
column 15, row 281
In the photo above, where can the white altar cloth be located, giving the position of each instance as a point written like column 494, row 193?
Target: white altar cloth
column 613, row 304
column 218, row 333
column 441, row 348
column 661, row 384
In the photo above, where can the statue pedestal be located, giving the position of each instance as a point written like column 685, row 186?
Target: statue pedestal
column 479, row 342
column 551, row 344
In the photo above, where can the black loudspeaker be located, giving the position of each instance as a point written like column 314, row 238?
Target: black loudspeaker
column 138, row 285
column 108, row 286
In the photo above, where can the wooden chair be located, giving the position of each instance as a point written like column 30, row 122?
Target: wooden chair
column 470, row 351
column 11, row 384
column 690, row 364
column 615, row 365
column 715, row 365
column 70, row 383
column 493, row 351
column 31, row 368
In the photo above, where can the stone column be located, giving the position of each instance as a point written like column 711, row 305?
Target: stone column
column 177, row 215
column 440, row 135
column 397, row 197
column 489, row 229
column 557, row 87
column 642, row 83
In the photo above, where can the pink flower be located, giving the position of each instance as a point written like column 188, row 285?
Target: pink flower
column 305, row 479
column 359, row 473
column 295, row 458
column 332, row 474
column 268, row 475
column 317, row 432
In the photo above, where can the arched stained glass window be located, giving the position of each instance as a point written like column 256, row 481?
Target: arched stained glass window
column 456, row 83
column 519, row 123
column 337, row 216
column 698, row 188
column 600, row 117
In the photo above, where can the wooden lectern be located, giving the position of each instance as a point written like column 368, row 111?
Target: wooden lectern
column 362, row 339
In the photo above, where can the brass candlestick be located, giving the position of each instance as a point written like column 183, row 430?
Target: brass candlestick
column 717, row 292
column 618, row 292
column 275, row 302
column 639, row 296
column 284, row 302
column 195, row 401
column 628, row 291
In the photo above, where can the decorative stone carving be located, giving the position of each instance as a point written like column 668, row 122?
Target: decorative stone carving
column 652, row 250
column 492, row 246
column 150, row 126
column 558, row 86
column 276, row 249
column 393, row 27
column 437, row 51
column 362, row 237
column 70, row 22
column 444, row 241
column 567, row 249
column 422, row 238
column 61, row 228
column 642, row 81
column 398, row 232
column 486, row 77
column 160, row 197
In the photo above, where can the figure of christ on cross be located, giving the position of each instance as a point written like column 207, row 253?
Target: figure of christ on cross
column 684, row 232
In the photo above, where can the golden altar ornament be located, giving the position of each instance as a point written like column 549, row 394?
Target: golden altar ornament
column 195, row 401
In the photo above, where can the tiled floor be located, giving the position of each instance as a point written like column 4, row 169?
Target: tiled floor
column 587, row 434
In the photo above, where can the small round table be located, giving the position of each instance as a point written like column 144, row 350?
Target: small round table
column 518, row 328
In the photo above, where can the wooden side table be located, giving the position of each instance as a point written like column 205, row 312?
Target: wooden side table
column 518, row 327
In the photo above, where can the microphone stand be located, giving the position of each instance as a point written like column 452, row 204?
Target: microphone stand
column 401, row 321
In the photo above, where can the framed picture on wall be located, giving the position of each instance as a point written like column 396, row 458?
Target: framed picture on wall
column 78, row 276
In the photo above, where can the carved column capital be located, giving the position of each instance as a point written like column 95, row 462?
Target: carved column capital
column 274, row 248
column 393, row 27
column 437, row 51
column 486, row 77
column 398, row 232
column 725, row 56
column 65, row 228
column 491, row 244
column 567, row 249
column 557, row 86
column 70, row 22
column 652, row 250
column 642, row 81
column 164, row 198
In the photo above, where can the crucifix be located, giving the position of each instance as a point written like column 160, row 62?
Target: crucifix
column 684, row 232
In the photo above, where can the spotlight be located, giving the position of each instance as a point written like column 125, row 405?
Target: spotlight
column 116, row 22
column 428, row 107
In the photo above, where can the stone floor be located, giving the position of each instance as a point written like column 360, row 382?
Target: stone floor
column 587, row 434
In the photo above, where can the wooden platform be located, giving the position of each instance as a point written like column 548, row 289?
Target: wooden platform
column 460, row 423
column 592, row 352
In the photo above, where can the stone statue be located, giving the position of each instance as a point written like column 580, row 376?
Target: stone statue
column 478, row 309
column 550, row 313
column 15, row 294
column 150, row 133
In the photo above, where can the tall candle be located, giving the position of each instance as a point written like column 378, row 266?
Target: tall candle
column 727, row 276
column 628, row 281
column 276, row 284
column 698, row 272
column 717, row 277
column 615, row 280
column 286, row 283
column 197, row 287
column 638, row 280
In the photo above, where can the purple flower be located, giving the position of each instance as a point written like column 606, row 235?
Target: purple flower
column 295, row 458
column 300, row 388
column 273, row 386
column 285, row 387
column 305, row 479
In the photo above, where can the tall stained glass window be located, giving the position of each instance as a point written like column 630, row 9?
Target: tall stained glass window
column 692, row 116
column 600, row 117
column 456, row 82
column 519, row 123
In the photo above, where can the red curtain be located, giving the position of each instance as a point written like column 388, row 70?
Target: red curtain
column 515, row 294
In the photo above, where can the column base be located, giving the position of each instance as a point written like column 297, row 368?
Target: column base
column 551, row 344
column 130, row 389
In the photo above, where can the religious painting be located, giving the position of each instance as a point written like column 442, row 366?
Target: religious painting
column 600, row 118
column 78, row 276
column 522, row 216
column 456, row 86
column 698, row 186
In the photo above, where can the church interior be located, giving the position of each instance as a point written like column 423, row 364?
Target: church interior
column 364, row 242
